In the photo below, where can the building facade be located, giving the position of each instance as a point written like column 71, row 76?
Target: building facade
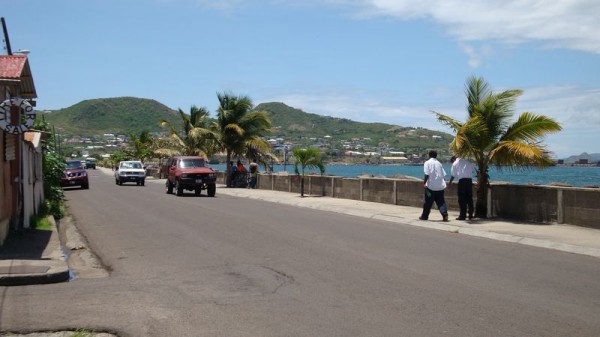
column 17, row 91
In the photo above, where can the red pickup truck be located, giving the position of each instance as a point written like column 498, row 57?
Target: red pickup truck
column 190, row 173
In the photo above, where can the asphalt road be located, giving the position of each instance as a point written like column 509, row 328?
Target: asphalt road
column 227, row 266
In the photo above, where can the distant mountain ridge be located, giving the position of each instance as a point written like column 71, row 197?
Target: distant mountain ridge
column 591, row 157
column 123, row 115
column 297, row 125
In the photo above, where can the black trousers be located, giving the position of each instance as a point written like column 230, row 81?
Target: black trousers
column 430, row 198
column 465, row 197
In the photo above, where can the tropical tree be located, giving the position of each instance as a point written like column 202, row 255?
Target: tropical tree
column 489, row 138
column 261, row 156
column 53, row 167
column 119, row 156
column 240, row 127
column 198, row 136
column 162, row 149
column 306, row 159
column 141, row 146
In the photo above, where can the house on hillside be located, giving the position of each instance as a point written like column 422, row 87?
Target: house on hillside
column 19, row 153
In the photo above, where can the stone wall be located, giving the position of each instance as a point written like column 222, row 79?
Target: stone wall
column 539, row 204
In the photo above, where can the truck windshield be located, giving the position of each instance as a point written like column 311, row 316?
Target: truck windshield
column 186, row 163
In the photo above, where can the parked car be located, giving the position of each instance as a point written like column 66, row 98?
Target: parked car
column 130, row 171
column 190, row 173
column 90, row 163
column 75, row 175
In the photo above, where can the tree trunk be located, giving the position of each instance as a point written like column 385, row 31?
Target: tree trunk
column 302, row 186
column 228, row 170
column 482, row 191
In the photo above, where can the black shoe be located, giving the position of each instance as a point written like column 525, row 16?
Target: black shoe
column 422, row 218
column 445, row 218
column 461, row 218
column 470, row 217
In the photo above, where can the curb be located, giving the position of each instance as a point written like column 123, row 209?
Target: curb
column 55, row 274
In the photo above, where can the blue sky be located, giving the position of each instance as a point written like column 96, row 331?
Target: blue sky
column 391, row 61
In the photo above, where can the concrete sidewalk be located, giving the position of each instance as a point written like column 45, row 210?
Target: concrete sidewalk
column 566, row 238
column 33, row 257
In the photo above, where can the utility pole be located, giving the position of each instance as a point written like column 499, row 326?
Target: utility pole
column 6, row 39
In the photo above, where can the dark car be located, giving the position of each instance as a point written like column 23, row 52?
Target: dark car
column 90, row 163
column 75, row 175
column 190, row 173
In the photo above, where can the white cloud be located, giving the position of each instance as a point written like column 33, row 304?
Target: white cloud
column 569, row 24
column 571, row 106
column 476, row 55
column 575, row 108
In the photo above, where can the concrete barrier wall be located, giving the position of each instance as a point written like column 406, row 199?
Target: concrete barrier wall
column 378, row 190
column 521, row 202
column 539, row 204
column 320, row 185
column 347, row 188
column 580, row 207
column 410, row 193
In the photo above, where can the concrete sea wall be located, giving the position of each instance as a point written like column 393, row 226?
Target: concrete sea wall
column 537, row 204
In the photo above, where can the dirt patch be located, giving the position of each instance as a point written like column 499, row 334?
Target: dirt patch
column 81, row 260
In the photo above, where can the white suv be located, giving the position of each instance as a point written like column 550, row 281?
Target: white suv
column 130, row 171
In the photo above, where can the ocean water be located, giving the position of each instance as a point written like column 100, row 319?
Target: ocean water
column 570, row 175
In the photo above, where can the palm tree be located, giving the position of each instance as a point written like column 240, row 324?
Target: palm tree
column 240, row 127
column 162, row 149
column 488, row 137
column 307, row 158
column 141, row 146
column 261, row 156
column 198, row 137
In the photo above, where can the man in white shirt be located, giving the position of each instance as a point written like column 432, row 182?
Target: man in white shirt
column 435, row 185
column 462, row 169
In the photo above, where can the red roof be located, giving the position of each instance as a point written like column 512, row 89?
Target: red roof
column 11, row 66
column 15, row 72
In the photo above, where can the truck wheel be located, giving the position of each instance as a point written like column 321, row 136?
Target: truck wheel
column 178, row 188
column 143, row 182
column 211, row 189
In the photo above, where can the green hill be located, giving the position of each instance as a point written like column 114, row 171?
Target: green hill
column 299, row 126
column 124, row 115
column 121, row 115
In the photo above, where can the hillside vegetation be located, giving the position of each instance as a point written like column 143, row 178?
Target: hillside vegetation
column 121, row 115
column 124, row 115
column 297, row 125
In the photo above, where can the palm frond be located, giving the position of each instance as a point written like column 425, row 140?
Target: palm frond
column 516, row 154
column 530, row 127
column 476, row 90
column 448, row 121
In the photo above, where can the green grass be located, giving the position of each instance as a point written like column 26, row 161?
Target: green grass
column 83, row 333
column 41, row 223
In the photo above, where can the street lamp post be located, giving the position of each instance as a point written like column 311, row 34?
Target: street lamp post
column 285, row 158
